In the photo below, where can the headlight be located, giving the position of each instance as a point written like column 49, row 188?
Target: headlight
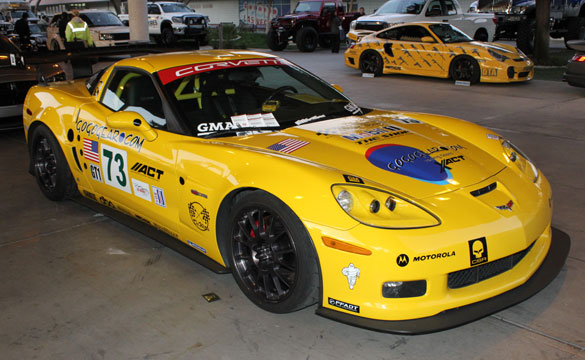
column 521, row 53
column 496, row 55
column 177, row 19
column 520, row 160
column 352, row 25
column 378, row 208
column 518, row 9
column 106, row 36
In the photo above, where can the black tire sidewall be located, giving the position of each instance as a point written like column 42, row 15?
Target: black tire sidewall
column 476, row 68
column 167, row 36
column 272, row 41
column 65, row 186
column 379, row 61
column 305, row 291
column 302, row 35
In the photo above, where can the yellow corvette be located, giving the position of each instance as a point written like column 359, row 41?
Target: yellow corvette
column 390, row 220
column 438, row 50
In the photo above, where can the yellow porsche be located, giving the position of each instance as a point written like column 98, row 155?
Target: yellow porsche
column 396, row 221
column 438, row 50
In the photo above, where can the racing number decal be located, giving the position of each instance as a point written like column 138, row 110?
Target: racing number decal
column 115, row 168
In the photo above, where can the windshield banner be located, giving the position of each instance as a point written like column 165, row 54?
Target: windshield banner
column 168, row 75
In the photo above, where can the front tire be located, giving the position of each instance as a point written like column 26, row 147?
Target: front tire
column 465, row 68
column 371, row 62
column 307, row 39
column 50, row 166
column 273, row 41
column 167, row 36
column 481, row 35
column 271, row 254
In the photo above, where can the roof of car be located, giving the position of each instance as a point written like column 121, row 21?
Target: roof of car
column 155, row 62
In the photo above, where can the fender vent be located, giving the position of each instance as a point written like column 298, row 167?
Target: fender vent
column 484, row 190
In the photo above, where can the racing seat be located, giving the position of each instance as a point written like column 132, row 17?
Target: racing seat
column 142, row 97
column 218, row 98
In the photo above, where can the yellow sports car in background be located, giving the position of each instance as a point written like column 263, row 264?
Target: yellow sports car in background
column 391, row 220
column 438, row 50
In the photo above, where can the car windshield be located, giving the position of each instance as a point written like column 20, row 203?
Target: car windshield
column 308, row 6
column 34, row 29
column 18, row 14
column 175, row 8
column 94, row 19
column 402, row 7
column 449, row 34
column 227, row 95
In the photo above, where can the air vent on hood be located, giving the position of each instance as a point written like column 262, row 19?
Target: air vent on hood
column 484, row 190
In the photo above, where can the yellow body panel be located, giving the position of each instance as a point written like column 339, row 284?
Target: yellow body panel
column 434, row 59
column 194, row 175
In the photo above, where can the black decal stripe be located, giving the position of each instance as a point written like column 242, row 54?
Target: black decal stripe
column 74, row 150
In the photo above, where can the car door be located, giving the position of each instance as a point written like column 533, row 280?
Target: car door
column 413, row 49
column 154, row 18
column 129, row 165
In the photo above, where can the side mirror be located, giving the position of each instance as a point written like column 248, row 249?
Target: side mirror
column 427, row 39
column 130, row 120
column 337, row 87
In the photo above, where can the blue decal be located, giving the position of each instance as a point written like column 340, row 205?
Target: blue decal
column 408, row 161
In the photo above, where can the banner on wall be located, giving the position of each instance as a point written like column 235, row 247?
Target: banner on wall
column 257, row 12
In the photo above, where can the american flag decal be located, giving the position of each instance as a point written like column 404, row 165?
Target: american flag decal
column 287, row 146
column 91, row 150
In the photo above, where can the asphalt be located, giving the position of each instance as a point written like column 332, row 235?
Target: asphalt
column 77, row 285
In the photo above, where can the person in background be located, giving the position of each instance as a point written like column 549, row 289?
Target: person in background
column 77, row 32
column 63, row 20
column 362, row 12
column 23, row 31
column 335, row 24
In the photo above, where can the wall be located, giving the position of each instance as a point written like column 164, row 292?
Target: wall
column 217, row 10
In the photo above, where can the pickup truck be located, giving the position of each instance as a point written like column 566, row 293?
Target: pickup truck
column 517, row 19
column 308, row 25
column 477, row 25
column 169, row 21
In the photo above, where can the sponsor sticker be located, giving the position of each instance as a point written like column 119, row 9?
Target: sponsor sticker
column 115, row 166
column 352, row 179
column 147, row 170
column 159, row 196
column 199, row 216
column 96, row 172
column 351, row 273
column 288, row 146
column 478, row 251
column 91, row 150
column 402, row 260
column 141, row 189
column 103, row 132
column 192, row 244
column 343, row 305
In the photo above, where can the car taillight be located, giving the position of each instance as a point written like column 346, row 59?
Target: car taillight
column 579, row 58
column 495, row 20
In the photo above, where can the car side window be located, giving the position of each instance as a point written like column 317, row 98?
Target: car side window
column 434, row 8
column 391, row 34
column 131, row 90
column 450, row 7
column 153, row 10
column 413, row 33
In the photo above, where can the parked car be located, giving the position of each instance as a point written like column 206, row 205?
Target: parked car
column 169, row 21
column 16, row 78
column 575, row 73
column 105, row 27
column 478, row 26
column 438, row 50
column 390, row 220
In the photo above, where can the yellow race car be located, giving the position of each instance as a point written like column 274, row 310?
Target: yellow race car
column 438, row 50
column 391, row 220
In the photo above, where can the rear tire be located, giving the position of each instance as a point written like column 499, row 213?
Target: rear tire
column 273, row 41
column 271, row 254
column 307, row 39
column 465, row 68
column 481, row 35
column 50, row 166
column 371, row 63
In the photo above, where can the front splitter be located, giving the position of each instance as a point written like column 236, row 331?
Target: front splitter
column 548, row 270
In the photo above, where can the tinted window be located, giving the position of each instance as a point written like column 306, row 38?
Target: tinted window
column 402, row 7
column 448, row 34
column 101, row 19
column 405, row 33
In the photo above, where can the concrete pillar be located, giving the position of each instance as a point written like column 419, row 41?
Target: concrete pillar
column 138, row 18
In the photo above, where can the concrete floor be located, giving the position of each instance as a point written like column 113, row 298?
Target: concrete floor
column 77, row 285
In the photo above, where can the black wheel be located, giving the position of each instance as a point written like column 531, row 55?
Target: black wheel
column 575, row 29
column 325, row 42
column 275, row 43
column 307, row 39
column 525, row 36
column 465, row 68
column 481, row 35
column 167, row 36
column 271, row 254
column 50, row 166
column 371, row 63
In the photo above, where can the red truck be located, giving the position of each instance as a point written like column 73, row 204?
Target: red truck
column 308, row 25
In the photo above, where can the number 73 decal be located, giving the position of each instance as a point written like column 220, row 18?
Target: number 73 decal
column 115, row 166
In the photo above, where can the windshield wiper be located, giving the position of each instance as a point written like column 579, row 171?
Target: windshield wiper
column 219, row 133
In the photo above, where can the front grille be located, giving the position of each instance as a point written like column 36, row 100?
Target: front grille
column 462, row 278
column 523, row 74
column 13, row 93
column 194, row 21
column 121, row 36
column 374, row 26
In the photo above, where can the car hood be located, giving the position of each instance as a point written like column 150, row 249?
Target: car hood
column 389, row 18
column 397, row 150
